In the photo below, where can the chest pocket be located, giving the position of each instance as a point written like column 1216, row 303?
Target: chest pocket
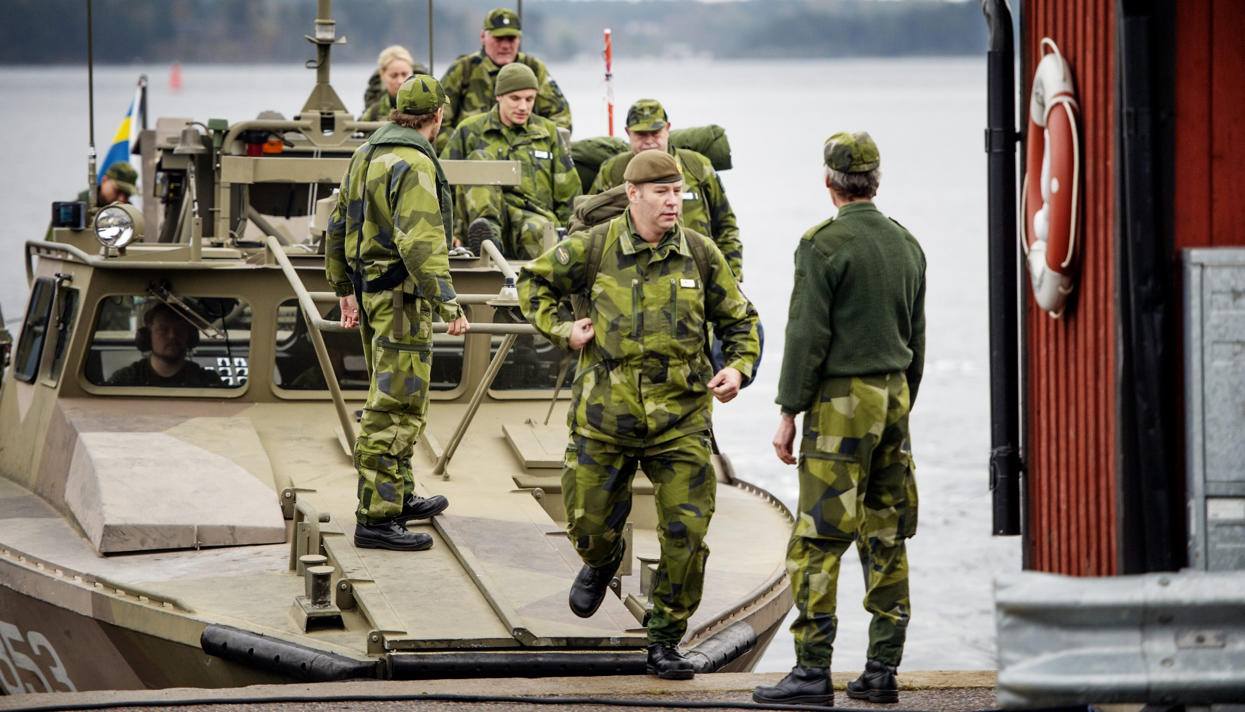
column 687, row 311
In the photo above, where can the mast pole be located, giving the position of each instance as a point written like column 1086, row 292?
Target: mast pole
column 609, row 79
column 90, row 92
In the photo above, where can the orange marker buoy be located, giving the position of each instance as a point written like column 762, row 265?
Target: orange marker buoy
column 175, row 76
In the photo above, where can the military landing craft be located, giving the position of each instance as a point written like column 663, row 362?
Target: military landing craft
column 197, row 533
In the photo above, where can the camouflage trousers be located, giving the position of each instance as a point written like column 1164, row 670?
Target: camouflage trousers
column 400, row 364
column 522, row 222
column 856, row 483
column 596, row 490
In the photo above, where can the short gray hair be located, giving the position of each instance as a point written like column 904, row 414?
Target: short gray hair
column 855, row 185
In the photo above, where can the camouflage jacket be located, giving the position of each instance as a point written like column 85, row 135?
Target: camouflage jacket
column 379, row 109
column 705, row 207
column 857, row 305
column 468, row 84
column 549, row 181
column 390, row 213
column 641, row 381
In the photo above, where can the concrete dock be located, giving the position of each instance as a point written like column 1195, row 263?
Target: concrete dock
column 949, row 691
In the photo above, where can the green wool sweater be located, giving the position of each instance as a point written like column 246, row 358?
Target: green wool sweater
column 857, row 305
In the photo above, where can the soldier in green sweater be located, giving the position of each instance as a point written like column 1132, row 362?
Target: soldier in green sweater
column 852, row 364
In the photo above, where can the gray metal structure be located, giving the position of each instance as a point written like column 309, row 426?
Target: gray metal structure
column 1162, row 639
column 1214, row 345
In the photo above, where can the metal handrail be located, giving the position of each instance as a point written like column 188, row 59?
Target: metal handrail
column 312, row 315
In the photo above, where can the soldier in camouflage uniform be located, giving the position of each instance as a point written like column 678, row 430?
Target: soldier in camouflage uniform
column 705, row 207
column 469, row 80
column 386, row 257
column 513, row 216
column 643, row 388
column 852, row 364
column 394, row 65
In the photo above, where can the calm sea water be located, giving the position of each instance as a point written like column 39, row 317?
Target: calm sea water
column 927, row 117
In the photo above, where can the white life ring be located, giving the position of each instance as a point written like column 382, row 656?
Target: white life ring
column 1050, row 195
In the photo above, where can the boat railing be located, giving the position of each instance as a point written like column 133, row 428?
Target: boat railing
column 307, row 301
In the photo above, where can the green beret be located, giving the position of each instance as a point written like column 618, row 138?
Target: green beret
column 647, row 115
column 502, row 22
column 124, row 175
column 420, row 94
column 652, row 166
column 513, row 77
column 851, row 152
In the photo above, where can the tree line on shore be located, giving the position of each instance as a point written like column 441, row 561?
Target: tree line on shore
column 256, row 31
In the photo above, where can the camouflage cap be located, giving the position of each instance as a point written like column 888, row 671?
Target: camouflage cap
column 652, row 166
column 124, row 175
column 647, row 115
column 503, row 22
column 851, row 152
column 420, row 94
column 515, row 76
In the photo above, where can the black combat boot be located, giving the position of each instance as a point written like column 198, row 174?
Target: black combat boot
column 801, row 686
column 589, row 588
column 479, row 231
column 876, row 684
column 420, row 508
column 389, row 534
column 666, row 662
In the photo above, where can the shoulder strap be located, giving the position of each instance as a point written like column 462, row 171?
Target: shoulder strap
column 696, row 168
column 592, row 264
column 700, row 253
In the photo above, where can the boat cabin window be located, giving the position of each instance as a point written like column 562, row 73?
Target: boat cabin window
column 532, row 364
column 182, row 342
column 46, row 312
column 298, row 369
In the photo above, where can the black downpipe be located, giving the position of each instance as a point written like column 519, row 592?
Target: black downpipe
column 1001, row 137
column 1152, row 496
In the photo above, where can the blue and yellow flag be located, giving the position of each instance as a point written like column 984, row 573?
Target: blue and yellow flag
column 127, row 131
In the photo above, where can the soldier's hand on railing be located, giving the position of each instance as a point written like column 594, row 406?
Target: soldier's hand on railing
column 458, row 326
column 581, row 333
column 350, row 311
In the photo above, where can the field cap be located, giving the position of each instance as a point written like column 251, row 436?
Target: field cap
column 647, row 115
column 851, row 152
column 124, row 175
column 502, row 22
column 420, row 94
column 515, row 76
column 652, row 166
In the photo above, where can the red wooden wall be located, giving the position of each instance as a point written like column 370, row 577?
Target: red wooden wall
column 1210, row 124
column 1070, row 362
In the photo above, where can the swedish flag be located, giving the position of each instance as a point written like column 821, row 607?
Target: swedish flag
column 128, row 130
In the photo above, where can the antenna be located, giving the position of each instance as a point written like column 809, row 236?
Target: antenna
column 90, row 92
column 431, row 57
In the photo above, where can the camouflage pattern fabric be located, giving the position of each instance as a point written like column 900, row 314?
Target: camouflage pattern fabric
column 705, row 207
column 379, row 109
column 641, row 382
column 396, row 212
column 596, row 491
column 469, row 84
column 546, row 191
column 857, row 482
column 397, row 403
column 390, row 212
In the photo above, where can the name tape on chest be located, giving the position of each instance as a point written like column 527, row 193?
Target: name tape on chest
column 687, row 283
column 545, row 155
column 690, row 195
